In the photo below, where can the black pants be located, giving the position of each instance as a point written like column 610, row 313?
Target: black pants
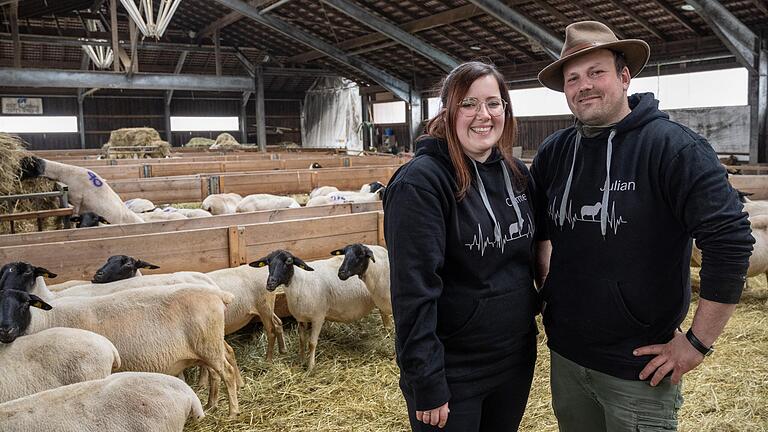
column 499, row 410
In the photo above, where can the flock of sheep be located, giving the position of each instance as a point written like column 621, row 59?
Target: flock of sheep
column 111, row 349
column 95, row 203
column 59, row 344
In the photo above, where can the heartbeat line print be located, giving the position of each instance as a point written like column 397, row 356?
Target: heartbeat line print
column 587, row 213
column 482, row 242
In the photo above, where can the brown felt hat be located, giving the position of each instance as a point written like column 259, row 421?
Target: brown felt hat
column 586, row 36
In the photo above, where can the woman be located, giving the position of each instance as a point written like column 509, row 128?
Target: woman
column 459, row 230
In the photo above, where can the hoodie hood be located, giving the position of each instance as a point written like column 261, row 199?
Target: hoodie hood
column 438, row 148
column 645, row 108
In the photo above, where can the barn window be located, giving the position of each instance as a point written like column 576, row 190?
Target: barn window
column 389, row 112
column 183, row 124
column 38, row 124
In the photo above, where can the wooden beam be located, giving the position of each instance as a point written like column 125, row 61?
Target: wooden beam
column 115, row 40
column 597, row 17
column 14, row 21
column 433, row 21
column 134, row 35
column 226, row 20
column 637, row 18
column 217, row 51
column 261, row 127
column 442, row 59
column 677, row 15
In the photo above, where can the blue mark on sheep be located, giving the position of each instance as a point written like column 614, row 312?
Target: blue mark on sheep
column 95, row 179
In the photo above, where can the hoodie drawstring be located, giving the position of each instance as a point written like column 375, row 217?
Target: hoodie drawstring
column 487, row 204
column 606, row 185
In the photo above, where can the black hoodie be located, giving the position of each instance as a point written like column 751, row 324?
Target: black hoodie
column 620, row 267
column 463, row 298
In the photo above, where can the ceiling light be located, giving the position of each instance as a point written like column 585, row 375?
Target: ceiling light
column 475, row 48
column 688, row 8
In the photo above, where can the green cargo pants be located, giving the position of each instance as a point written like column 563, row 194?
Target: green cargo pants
column 586, row 400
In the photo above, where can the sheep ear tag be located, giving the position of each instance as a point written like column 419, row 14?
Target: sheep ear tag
column 337, row 252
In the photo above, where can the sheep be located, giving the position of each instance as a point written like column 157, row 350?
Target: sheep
column 247, row 285
column 88, row 219
column 119, row 267
column 154, row 329
column 372, row 187
column 87, row 191
column 322, row 191
column 68, row 284
column 755, row 208
column 314, row 298
column 140, row 205
column 123, row 402
column 345, row 197
column 29, row 278
column 758, row 261
column 219, row 204
column 53, row 358
column 257, row 202
column 591, row 210
column 194, row 213
column 371, row 264
column 160, row 215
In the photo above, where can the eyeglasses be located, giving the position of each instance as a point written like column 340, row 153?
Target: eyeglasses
column 470, row 106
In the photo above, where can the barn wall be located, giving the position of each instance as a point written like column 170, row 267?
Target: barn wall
column 104, row 114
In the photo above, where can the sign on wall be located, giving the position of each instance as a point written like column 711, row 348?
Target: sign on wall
column 22, row 105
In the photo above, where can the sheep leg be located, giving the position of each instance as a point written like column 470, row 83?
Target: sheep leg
column 386, row 320
column 213, row 388
column 316, row 327
column 265, row 314
column 302, row 331
column 226, row 371
column 278, row 325
column 230, row 353
column 202, row 378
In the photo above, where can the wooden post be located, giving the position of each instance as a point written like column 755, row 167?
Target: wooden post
column 237, row 248
column 217, row 51
column 115, row 42
column 261, row 127
column 14, row 18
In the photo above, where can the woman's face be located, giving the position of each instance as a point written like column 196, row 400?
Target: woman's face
column 479, row 131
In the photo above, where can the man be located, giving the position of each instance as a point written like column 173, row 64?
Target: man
column 620, row 194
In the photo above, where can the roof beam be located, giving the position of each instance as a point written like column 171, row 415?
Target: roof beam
column 682, row 19
column 520, row 23
column 637, row 18
column 14, row 22
column 399, row 88
column 439, row 19
column 226, row 20
column 13, row 77
column 440, row 58
column 597, row 17
column 736, row 36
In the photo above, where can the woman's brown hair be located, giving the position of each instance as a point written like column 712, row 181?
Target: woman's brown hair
column 453, row 88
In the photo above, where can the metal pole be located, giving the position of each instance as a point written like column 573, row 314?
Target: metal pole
column 81, row 121
column 261, row 127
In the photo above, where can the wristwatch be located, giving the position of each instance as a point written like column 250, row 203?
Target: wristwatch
column 700, row 347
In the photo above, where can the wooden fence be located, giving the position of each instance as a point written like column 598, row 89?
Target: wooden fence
column 203, row 249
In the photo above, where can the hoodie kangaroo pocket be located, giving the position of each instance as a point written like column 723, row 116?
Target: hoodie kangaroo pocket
column 590, row 307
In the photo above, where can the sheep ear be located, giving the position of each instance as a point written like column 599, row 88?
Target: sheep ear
column 146, row 265
column 259, row 263
column 74, row 219
column 369, row 254
column 39, row 271
column 337, row 252
column 298, row 262
column 104, row 221
column 35, row 301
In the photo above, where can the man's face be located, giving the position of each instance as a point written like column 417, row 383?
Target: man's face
column 596, row 94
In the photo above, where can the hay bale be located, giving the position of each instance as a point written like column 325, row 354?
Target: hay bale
column 133, row 137
column 12, row 150
column 200, row 142
column 225, row 142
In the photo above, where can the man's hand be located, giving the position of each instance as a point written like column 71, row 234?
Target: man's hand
column 435, row 417
column 677, row 355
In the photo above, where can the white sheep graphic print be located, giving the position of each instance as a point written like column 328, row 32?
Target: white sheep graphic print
column 589, row 212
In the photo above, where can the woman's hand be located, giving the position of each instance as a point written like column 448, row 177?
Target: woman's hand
column 435, row 417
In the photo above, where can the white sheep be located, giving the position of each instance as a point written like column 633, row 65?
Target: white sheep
column 140, row 205
column 258, row 202
column 219, row 204
column 758, row 261
column 372, row 187
column 322, row 191
column 160, row 215
column 315, row 297
column 88, row 192
column 194, row 213
column 371, row 264
column 154, row 329
column 345, row 197
column 123, row 402
column 755, row 208
column 53, row 358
